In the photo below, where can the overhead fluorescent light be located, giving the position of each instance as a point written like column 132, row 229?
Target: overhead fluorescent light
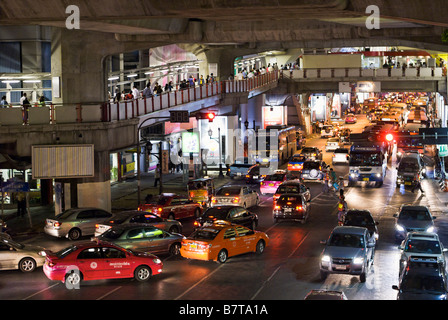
column 113, row 78
column 133, row 75
column 10, row 81
column 149, row 72
column 31, row 81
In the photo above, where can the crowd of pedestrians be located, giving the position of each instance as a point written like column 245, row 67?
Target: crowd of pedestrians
column 157, row 89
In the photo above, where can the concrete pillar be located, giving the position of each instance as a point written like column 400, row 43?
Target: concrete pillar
column 223, row 58
column 77, row 59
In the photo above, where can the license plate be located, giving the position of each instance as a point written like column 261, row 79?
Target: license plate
column 365, row 179
column 337, row 267
column 288, row 210
column 193, row 246
column 255, row 177
column 407, row 183
column 238, row 173
column 271, row 184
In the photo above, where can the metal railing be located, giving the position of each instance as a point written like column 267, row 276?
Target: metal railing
column 380, row 74
column 127, row 109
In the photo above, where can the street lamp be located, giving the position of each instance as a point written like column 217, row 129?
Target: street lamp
column 210, row 133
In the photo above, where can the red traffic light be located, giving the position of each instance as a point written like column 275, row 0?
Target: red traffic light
column 389, row 137
column 210, row 116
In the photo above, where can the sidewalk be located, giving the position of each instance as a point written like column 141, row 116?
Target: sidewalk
column 123, row 195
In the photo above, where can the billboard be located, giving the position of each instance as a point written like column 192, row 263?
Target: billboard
column 62, row 161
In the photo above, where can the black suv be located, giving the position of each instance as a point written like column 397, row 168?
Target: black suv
column 422, row 279
column 362, row 218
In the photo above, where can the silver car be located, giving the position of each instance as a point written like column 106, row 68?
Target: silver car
column 143, row 237
column 15, row 255
column 76, row 222
column 242, row 196
column 136, row 216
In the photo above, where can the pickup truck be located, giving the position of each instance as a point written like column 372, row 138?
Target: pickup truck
column 349, row 250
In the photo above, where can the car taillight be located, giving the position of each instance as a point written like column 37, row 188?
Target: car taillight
column 236, row 200
column 57, row 224
column 247, row 176
column 191, row 194
column 196, row 224
column 299, row 208
column 204, row 246
column 277, row 207
column 213, row 200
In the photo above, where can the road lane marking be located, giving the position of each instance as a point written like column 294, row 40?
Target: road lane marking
column 278, row 268
column 199, row 282
column 40, row 291
column 109, row 293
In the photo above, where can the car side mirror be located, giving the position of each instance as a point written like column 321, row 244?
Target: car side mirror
column 434, row 218
column 395, row 215
column 395, row 287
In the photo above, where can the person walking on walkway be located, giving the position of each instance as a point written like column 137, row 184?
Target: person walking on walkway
column 417, row 184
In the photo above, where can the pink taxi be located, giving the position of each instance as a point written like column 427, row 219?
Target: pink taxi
column 270, row 184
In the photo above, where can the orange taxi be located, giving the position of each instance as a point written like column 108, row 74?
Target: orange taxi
column 222, row 240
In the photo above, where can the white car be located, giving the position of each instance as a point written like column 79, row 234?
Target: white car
column 327, row 131
column 424, row 245
column 15, row 255
column 332, row 144
column 76, row 222
column 341, row 155
column 235, row 195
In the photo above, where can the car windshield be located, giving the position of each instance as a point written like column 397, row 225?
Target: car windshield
column 420, row 215
column 345, row 151
column 65, row 214
column 288, row 189
column 289, row 200
column 366, row 159
column 112, row 234
column 12, row 243
column 311, row 165
column 297, row 159
column 275, row 177
column 204, row 234
column 216, row 212
column 423, row 246
column 423, row 282
column 408, row 166
column 346, row 240
column 360, row 220
column 232, row 191
column 308, row 150
column 64, row 252
column 159, row 200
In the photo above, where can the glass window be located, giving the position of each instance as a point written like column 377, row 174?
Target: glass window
column 86, row 214
column 230, row 233
column 113, row 253
column 153, row 233
column 102, row 214
column 243, row 231
column 135, row 234
column 90, row 253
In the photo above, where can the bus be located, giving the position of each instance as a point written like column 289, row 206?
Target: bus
column 286, row 138
column 368, row 162
column 370, row 104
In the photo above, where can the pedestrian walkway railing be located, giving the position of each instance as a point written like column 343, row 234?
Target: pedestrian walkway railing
column 128, row 109
column 377, row 74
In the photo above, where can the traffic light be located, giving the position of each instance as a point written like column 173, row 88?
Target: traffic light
column 210, row 116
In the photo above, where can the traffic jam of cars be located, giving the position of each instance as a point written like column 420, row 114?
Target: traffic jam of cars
column 126, row 244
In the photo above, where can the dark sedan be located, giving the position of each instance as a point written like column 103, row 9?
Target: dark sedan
column 233, row 214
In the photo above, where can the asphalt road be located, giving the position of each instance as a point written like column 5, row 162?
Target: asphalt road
column 287, row 270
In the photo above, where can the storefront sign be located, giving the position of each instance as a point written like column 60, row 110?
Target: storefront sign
column 273, row 115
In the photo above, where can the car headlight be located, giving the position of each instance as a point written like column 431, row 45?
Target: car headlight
column 399, row 228
column 157, row 261
column 358, row 260
column 430, row 229
column 326, row 258
column 378, row 175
